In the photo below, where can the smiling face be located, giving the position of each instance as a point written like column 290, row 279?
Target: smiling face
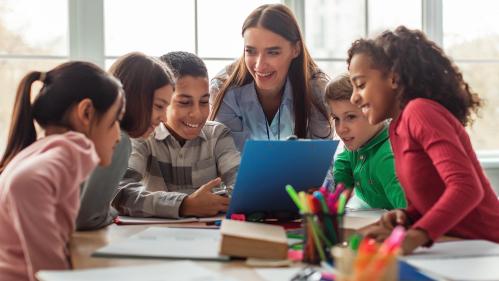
column 162, row 97
column 189, row 109
column 351, row 125
column 373, row 91
column 268, row 56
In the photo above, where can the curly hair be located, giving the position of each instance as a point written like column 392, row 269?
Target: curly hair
column 422, row 70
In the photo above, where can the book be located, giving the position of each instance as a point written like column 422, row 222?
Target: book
column 255, row 240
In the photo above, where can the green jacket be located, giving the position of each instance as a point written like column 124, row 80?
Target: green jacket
column 370, row 169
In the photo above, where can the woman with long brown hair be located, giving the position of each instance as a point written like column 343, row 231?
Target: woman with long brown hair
column 275, row 89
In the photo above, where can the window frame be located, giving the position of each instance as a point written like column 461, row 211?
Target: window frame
column 87, row 42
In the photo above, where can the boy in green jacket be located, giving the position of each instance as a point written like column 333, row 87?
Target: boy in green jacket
column 367, row 163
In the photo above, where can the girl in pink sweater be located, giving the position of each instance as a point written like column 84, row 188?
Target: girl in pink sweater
column 403, row 76
column 79, row 107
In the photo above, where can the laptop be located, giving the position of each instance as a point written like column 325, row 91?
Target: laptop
column 267, row 166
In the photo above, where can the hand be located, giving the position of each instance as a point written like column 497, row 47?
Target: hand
column 393, row 218
column 203, row 202
column 413, row 239
column 375, row 231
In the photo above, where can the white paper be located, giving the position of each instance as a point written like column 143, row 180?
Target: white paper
column 366, row 213
column 456, row 249
column 277, row 274
column 164, row 242
column 461, row 269
column 178, row 271
column 125, row 220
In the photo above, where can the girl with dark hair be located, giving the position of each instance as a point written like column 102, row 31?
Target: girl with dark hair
column 148, row 85
column 406, row 77
column 275, row 89
column 79, row 108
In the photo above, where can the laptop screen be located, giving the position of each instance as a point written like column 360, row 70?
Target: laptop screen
column 267, row 166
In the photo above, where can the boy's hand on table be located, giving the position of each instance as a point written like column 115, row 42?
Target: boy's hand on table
column 203, row 202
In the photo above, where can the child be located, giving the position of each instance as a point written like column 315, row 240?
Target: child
column 148, row 85
column 404, row 76
column 79, row 107
column 367, row 161
column 172, row 173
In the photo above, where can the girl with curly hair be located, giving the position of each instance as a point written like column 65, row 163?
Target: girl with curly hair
column 404, row 76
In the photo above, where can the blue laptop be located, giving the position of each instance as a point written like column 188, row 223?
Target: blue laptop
column 267, row 166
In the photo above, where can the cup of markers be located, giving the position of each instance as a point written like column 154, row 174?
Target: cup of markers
column 367, row 260
column 322, row 217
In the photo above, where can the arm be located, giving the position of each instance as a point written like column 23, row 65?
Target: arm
column 227, row 156
column 342, row 170
column 38, row 196
column 432, row 127
column 133, row 199
column 385, row 174
column 229, row 114
column 100, row 189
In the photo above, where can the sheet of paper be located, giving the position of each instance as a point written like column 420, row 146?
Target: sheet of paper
column 277, row 274
column 461, row 269
column 163, row 242
column 366, row 213
column 178, row 271
column 125, row 220
column 456, row 249
column 352, row 222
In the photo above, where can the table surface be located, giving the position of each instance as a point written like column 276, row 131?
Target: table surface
column 84, row 243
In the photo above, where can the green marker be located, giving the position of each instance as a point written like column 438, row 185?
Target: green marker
column 292, row 193
column 341, row 204
column 354, row 241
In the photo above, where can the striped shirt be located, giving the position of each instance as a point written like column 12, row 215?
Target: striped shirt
column 161, row 172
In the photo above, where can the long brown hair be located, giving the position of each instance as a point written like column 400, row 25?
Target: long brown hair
column 63, row 87
column 422, row 68
column 280, row 20
column 141, row 76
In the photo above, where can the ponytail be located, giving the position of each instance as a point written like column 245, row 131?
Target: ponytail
column 64, row 86
column 22, row 131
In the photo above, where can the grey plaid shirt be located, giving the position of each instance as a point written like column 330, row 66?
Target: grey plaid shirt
column 161, row 173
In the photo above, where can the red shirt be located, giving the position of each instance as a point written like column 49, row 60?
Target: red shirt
column 446, row 188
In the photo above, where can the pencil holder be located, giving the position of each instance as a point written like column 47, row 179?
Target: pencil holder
column 321, row 232
column 348, row 268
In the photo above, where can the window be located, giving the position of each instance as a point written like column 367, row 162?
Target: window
column 388, row 14
column 158, row 27
column 219, row 33
column 29, row 41
column 332, row 25
column 153, row 27
column 471, row 38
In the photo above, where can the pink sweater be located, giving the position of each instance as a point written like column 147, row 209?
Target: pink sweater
column 39, row 201
column 446, row 188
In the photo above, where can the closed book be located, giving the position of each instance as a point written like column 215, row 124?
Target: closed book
column 255, row 240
